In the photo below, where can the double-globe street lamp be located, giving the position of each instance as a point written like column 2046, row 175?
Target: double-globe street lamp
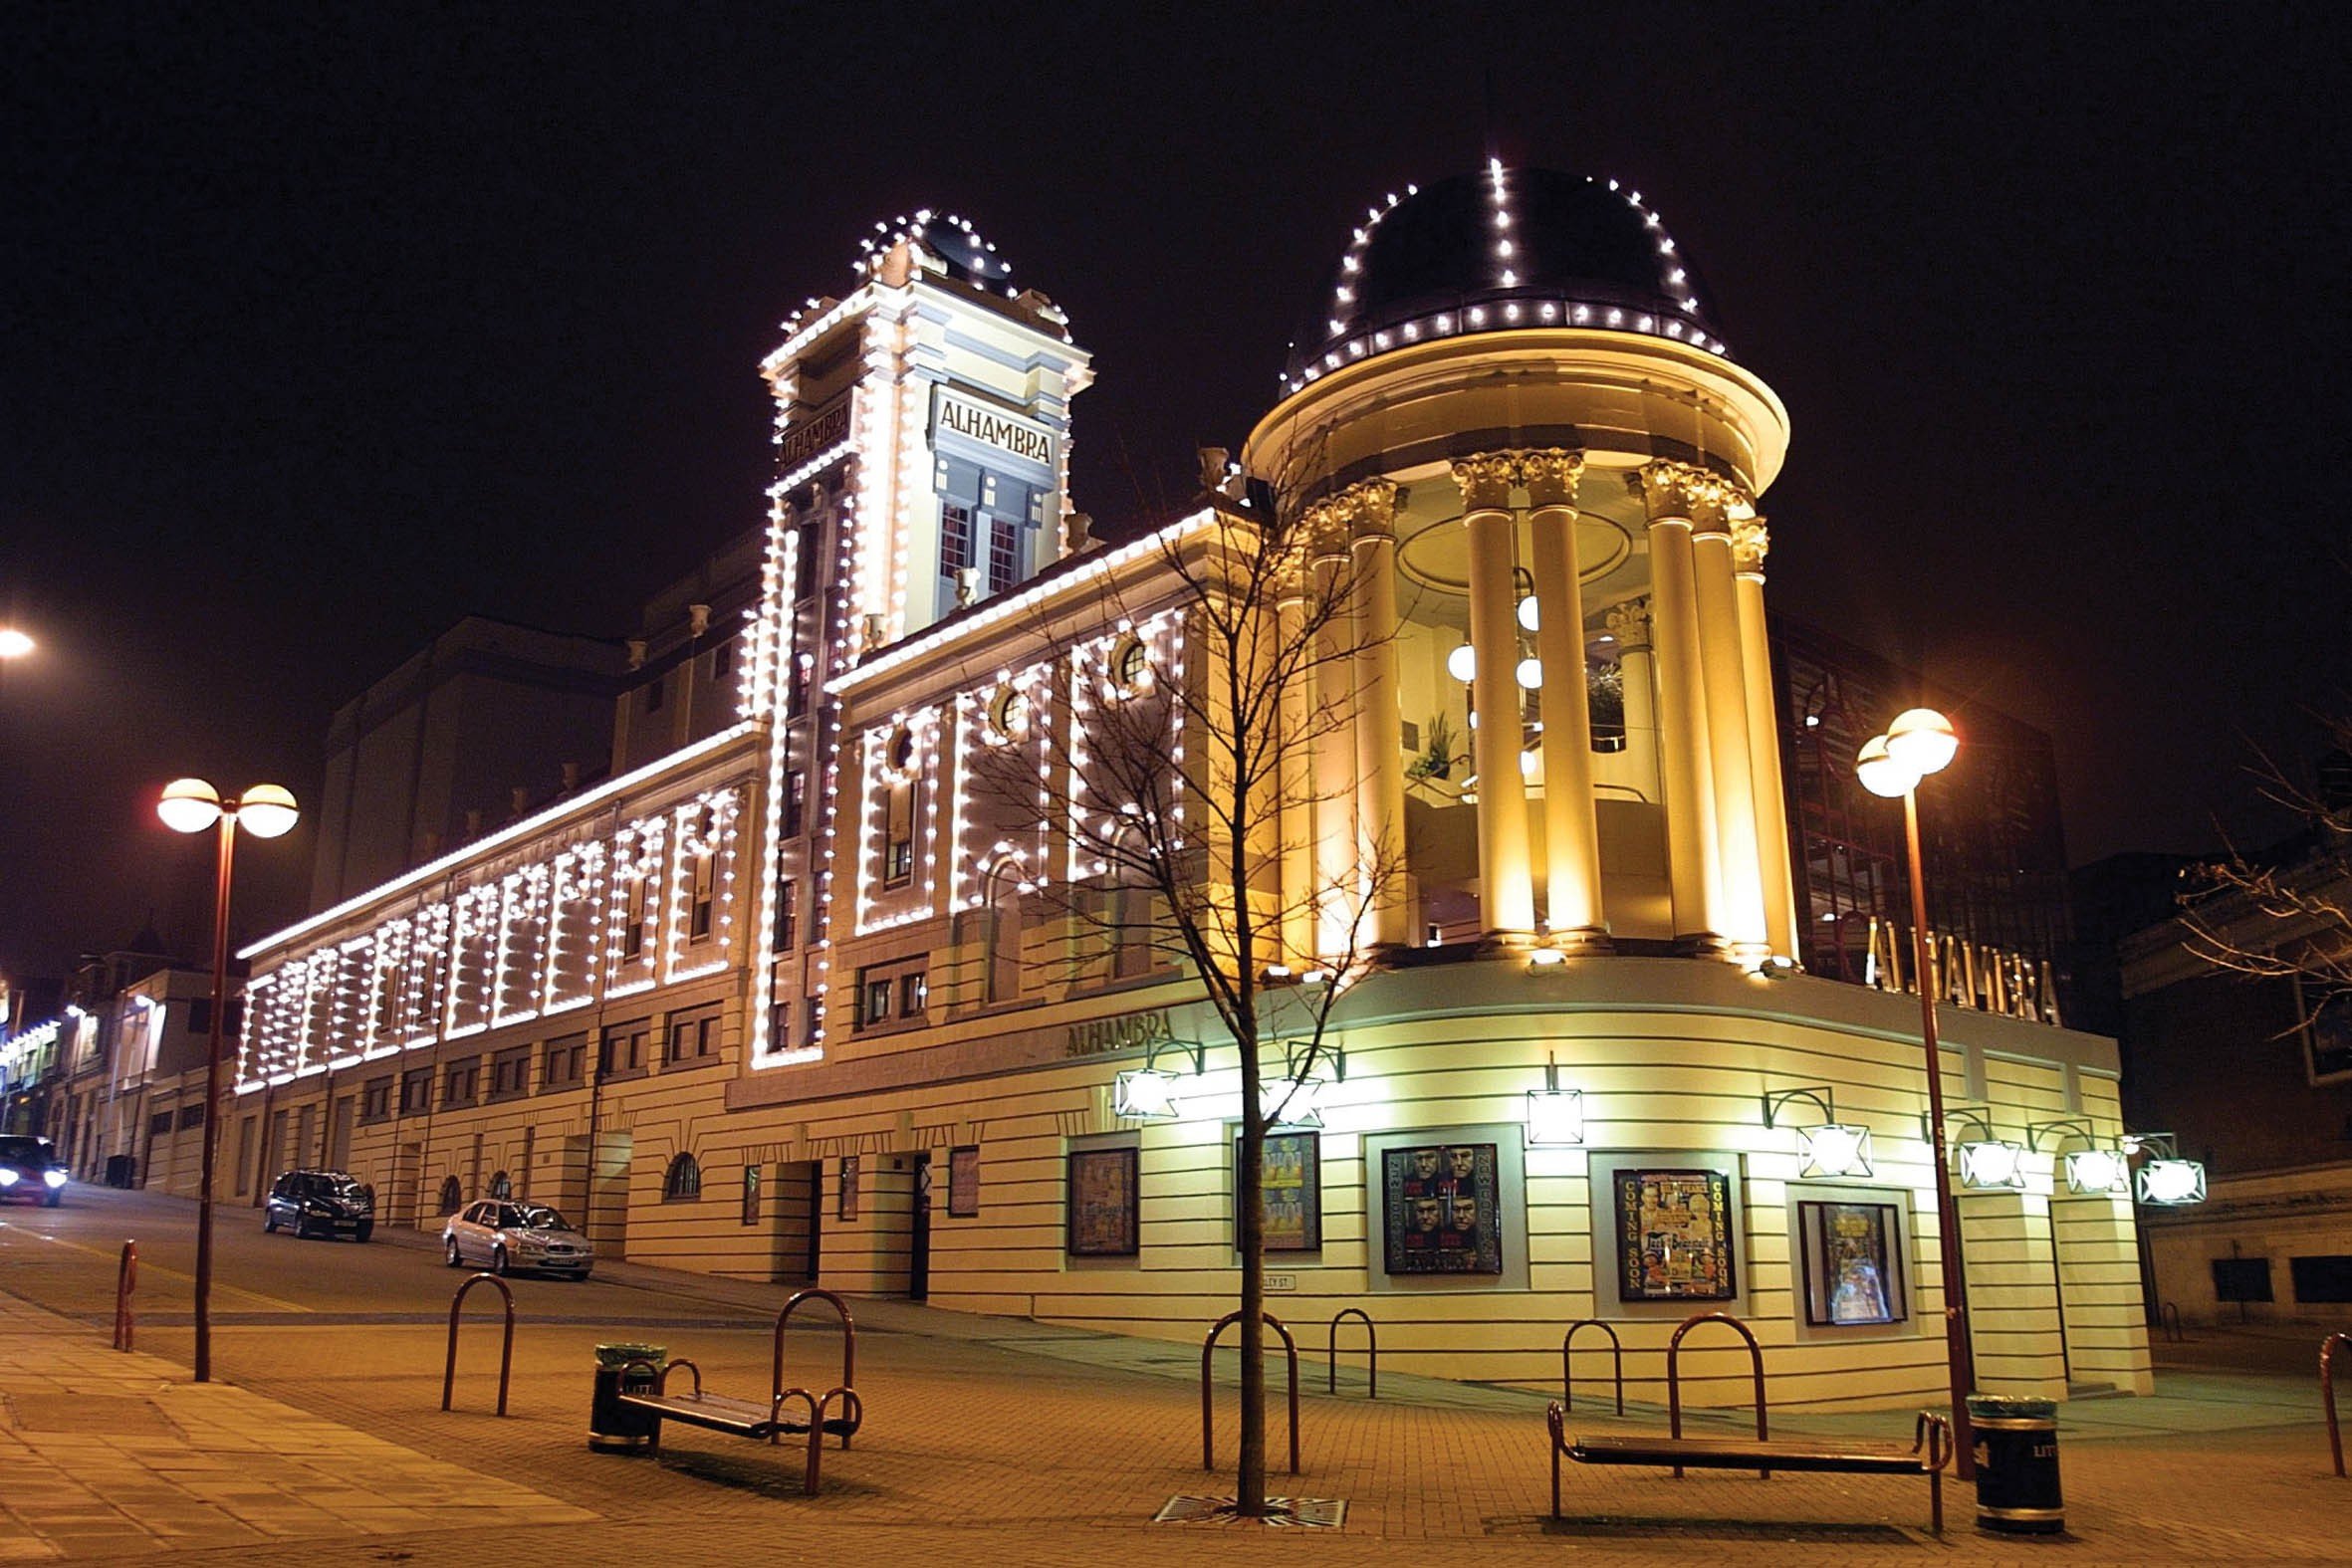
column 1920, row 742
column 190, row 806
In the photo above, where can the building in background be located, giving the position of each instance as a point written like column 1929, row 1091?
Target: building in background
column 807, row 989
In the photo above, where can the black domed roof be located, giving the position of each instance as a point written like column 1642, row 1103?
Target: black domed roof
column 1505, row 250
column 967, row 257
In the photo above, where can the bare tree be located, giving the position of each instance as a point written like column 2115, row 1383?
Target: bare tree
column 1199, row 694
column 2286, row 915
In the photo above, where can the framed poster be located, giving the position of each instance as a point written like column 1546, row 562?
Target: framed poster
column 1443, row 1210
column 1102, row 1202
column 1851, row 1255
column 2327, row 1039
column 963, row 1181
column 751, row 1195
column 845, row 1206
column 1292, row 1189
column 1674, row 1235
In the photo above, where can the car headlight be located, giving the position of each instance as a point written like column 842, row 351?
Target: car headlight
column 7, row 1177
column 54, row 1177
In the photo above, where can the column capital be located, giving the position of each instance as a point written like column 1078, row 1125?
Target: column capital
column 1629, row 623
column 1750, row 542
column 1367, row 508
column 1486, row 478
column 1671, row 490
column 1324, row 528
column 1550, row 476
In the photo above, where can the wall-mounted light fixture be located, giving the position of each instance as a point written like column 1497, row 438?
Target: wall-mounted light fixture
column 2091, row 1168
column 1546, row 958
column 2165, row 1179
column 1293, row 1102
column 1985, row 1163
column 1830, row 1148
column 1147, row 1094
column 1554, row 1115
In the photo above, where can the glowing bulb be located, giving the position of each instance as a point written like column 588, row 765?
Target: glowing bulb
column 1530, row 674
column 1461, row 664
column 1529, row 615
column 188, row 805
column 1922, row 740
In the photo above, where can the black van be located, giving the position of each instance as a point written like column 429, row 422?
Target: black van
column 30, row 1169
column 320, row 1203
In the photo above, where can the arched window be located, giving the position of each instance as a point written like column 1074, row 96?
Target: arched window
column 452, row 1195
column 502, row 1186
column 683, row 1183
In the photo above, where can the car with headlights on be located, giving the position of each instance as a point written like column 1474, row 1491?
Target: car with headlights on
column 504, row 1237
column 30, row 1170
column 320, row 1203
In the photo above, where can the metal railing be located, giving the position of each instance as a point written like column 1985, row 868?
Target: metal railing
column 1674, row 1375
column 1208, row 1400
column 2168, row 1320
column 775, row 1388
column 1371, row 1352
column 1568, row 1390
column 126, row 1281
column 2327, row 1394
column 506, row 1350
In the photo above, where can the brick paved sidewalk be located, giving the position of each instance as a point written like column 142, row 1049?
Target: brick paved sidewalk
column 1012, row 1443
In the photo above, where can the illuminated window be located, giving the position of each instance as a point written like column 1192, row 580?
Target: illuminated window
column 795, row 801
column 1004, row 553
column 878, row 1001
column 787, row 916
column 914, row 992
column 955, row 539
column 702, row 895
column 632, row 920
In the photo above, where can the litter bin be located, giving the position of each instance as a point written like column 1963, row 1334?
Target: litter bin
column 612, row 1426
column 2017, row 1464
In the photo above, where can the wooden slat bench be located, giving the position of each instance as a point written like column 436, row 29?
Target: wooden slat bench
column 790, row 1413
column 1929, row 1452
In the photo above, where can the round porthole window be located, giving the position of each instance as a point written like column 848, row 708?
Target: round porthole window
column 1007, row 714
column 1129, row 665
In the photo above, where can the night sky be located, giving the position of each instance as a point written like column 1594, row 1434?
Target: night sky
column 323, row 327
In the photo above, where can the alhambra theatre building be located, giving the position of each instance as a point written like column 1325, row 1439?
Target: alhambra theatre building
column 799, row 998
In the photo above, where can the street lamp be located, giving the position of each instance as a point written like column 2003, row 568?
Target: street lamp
column 1920, row 742
column 14, row 644
column 190, row 806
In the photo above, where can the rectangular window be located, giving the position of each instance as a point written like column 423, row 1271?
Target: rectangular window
column 565, row 1063
column 898, row 866
column 416, row 1091
column 192, row 1116
column 632, row 927
column 723, row 660
column 878, row 1001
column 913, row 992
column 655, row 692
column 893, row 996
column 693, row 1039
column 703, row 878
column 1004, row 553
column 375, row 1100
column 812, row 1018
column 463, row 1082
column 158, row 1124
column 805, row 560
column 2323, row 1278
column 622, row 1053
column 795, row 801
column 509, row 1073
column 955, row 539
column 787, row 916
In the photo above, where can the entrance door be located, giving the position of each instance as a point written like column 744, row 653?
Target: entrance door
column 608, row 1194
column 797, row 1224
column 339, row 1137
column 918, row 1272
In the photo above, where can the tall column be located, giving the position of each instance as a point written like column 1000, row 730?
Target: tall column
column 1637, row 679
column 1370, row 510
column 1686, row 769
column 1507, row 887
column 1329, row 736
column 1726, row 725
column 1294, row 778
column 1750, row 541
column 1571, row 832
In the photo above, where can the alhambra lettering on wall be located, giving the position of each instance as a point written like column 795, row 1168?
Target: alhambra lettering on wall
column 1100, row 1036
column 829, row 427
column 1964, row 974
column 1022, row 438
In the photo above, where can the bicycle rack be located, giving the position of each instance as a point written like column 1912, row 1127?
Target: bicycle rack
column 126, row 1281
column 2327, row 1394
column 506, row 1350
column 1567, row 1388
column 1371, row 1352
column 776, row 1389
column 1207, row 1402
column 2167, row 1319
column 1674, row 1375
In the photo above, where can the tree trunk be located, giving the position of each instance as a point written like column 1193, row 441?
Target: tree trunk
column 1250, row 1188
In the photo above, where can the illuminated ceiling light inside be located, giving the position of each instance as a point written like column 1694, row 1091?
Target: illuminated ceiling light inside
column 1834, row 1149
column 1528, row 614
column 1461, row 664
column 1993, row 1163
column 2172, row 1182
column 2096, row 1171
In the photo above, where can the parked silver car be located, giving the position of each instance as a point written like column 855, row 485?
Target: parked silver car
column 504, row 1237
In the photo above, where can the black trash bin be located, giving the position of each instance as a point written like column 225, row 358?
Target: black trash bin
column 614, row 1426
column 2017, row 1464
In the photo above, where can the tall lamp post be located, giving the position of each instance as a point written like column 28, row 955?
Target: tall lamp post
column 1920, row 742
column 190, row 806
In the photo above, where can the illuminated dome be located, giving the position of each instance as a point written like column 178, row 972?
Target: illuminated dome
column 967, row 257
column 1501, row 251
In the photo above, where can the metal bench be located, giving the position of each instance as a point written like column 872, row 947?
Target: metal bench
column 1928, row 1453
column 789, row 1413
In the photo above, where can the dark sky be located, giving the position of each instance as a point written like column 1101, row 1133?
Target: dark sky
column 321, row 327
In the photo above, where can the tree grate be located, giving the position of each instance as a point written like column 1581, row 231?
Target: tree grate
column 1314, row 1513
